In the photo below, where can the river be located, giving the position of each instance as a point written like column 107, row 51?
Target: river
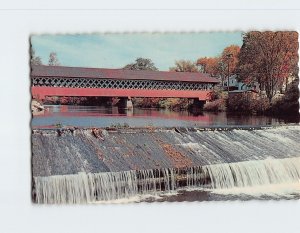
column 98, row 116
column 279, row 144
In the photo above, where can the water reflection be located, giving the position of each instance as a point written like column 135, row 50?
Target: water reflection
column 98, row 116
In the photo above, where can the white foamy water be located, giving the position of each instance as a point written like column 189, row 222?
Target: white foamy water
column 90, row 187
column 139, row 198
column 254, row 173
column 287, row 190
column 257, row 177
column 272, row 191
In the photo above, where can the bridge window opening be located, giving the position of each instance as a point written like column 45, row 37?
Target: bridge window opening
column 120, row 84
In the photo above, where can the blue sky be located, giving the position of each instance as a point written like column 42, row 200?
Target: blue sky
column 118, row 50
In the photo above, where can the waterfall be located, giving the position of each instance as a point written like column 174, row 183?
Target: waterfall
column 89, row 187
column 254, row 173
column 92, row 187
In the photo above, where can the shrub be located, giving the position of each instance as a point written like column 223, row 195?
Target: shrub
column 247, row 103
column 216, row 94
column 215, row 106
column 174, row 103
column 167, row 103
column 289, row 103
column 146, row 102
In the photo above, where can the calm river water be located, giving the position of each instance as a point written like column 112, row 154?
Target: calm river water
column 96, row 116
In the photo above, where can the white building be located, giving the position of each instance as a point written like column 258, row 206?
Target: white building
column 234, row 84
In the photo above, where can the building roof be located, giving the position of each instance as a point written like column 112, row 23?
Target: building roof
column 80, row 72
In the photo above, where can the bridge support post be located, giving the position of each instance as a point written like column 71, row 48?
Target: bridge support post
column 109, row 102
column 197, row 105
column 125, row 102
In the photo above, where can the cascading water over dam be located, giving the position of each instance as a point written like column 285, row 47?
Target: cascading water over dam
column 82, row 187
column 77, row 167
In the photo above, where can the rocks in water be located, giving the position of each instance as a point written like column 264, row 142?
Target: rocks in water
column 181, row 130
column 37, row 107
column 59, row 132
column 99, row 133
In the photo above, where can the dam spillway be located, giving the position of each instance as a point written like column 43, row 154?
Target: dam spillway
column 88, row 165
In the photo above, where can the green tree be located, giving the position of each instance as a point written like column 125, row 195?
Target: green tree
column 141, row 64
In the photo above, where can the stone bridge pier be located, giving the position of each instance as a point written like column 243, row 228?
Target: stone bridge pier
column 125, row 102
column 197, row 105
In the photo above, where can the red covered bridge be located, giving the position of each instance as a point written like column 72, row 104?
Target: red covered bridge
column 77, row 81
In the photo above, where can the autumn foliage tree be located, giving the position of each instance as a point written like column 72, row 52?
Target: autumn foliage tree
column 218, row 66
column 229, row 61
column 184, row 66
column 268, row 58
column 209, row 65
column 230, row 55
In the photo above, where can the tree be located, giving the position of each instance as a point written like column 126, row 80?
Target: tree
column 222, row 70
column 35, row 60
column 230, row 56
column 213, row 66
column 289, row 104
column 184, row 66
column 141, row 64
column 229, row 60
column 209, row 65
column 53, row 60
column 218, row 66
column 268, row 58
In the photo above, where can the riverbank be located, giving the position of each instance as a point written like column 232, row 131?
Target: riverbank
column 256, row 102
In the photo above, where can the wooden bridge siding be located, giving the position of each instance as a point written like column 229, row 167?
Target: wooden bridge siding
column 42, row 92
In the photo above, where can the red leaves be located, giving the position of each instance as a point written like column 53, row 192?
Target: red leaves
column 268, row 58
column 218, row 66
column 209, row 65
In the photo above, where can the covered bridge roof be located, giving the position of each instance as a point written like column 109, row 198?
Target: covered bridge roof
column 80, row 72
